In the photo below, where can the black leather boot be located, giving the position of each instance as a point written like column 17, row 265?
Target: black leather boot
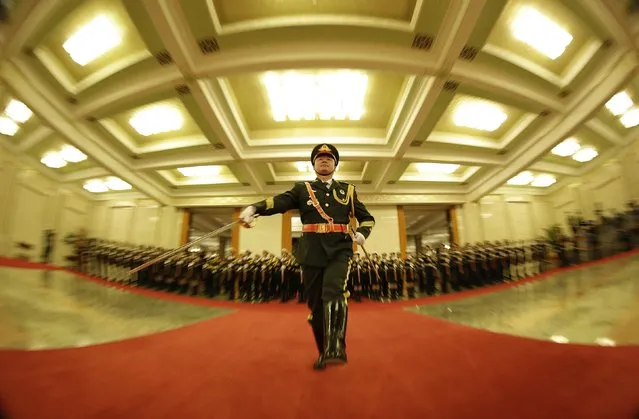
column 337, row 352
column 326, row 336
column 318, row 332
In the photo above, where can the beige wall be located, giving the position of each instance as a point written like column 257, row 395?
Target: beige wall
column 265, row 235
column 610, row 185
column 504, row 217
column 30, row 202
column 138, row 222
column 385, row 235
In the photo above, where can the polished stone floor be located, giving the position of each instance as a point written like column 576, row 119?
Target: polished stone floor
column 598, row 305
column 55, row 309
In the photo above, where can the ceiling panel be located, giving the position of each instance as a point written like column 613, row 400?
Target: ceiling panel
column 447, row 122
column 503, row 38
column 382, row 93
column 129, row 45
column 233, row 11
column 422, row 60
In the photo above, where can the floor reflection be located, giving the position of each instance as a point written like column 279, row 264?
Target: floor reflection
column 55, row 309
column 597, row 305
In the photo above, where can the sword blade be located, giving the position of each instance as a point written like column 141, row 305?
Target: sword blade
column 352, row 234
column 170, row 253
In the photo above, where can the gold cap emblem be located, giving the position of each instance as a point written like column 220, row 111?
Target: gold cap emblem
column 324, row 149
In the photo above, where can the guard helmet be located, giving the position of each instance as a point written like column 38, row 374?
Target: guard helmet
column 325, row 149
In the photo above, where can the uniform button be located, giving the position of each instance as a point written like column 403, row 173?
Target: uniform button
column 328, row 194
column 326, row 205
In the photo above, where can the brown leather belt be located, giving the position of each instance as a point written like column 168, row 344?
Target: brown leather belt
column 325, row 228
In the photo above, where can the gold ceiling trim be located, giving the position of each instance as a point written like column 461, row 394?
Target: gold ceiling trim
column 255, row 25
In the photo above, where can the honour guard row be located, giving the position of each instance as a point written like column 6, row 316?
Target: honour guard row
column 255, row 278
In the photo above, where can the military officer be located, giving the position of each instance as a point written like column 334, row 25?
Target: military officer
column 411, row 276
column 434, row 272
column 456, row 267
column 288, row 288
column 355, row 277
column 326, row 207
column 444, row 262
column 211, row 273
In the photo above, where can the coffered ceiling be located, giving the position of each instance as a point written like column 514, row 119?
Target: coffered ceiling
column 219, row 102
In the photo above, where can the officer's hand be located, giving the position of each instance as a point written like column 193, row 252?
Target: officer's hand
column 360, row 239
column 247, row 216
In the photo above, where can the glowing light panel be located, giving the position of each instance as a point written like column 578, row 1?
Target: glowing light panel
column 619, row 103
column 200, row 171
column 93, row 40
column 328, row 95
column 436, row 168
column 157, row 119
column 536, row 30
column 479, row 115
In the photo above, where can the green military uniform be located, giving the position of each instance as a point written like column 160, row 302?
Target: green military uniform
column 325, row 250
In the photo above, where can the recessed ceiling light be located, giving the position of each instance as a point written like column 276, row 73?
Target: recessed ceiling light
column 585, row 154
column 157, row 119
column 116, row 184
column 559, row 339
column 7, row 126
column 480, row 115
column 440, row 168
column 543, row 181
column 200, row 171
column 566, row 148
column 605, row 342
column 327, row 95
column 53, row 160
column 95, row 186
column 72, row 154
column 523, row 178
column 92, row 40
column 536, row 30
column 303, row 166
column 630, row 119
column 619, row 103
column 18, row 111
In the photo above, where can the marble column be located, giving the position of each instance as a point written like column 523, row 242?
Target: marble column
column 401, row 226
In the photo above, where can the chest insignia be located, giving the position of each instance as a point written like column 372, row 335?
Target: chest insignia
column 309, row 202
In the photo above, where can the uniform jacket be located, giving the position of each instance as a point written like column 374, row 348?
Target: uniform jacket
column 317, row 249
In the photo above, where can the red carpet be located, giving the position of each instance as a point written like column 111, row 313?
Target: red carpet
column 18, row 263
column 256, row 363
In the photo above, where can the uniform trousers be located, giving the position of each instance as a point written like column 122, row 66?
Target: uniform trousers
column 324, row 284
column 327, row 283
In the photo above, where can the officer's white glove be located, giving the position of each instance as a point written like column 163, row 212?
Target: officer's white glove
column 247, row 216
column 360, row 239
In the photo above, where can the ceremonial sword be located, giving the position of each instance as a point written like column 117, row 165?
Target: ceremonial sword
column 220, row 230
column 170, row 253
column 352, row 234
